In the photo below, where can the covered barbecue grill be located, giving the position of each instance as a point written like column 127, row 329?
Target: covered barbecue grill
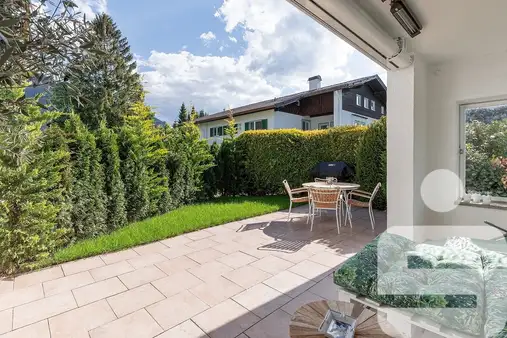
column 341, row 170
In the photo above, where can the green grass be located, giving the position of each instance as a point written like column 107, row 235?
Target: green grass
column 182, row 220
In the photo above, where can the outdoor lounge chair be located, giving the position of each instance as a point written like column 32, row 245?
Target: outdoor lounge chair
column 302, row 198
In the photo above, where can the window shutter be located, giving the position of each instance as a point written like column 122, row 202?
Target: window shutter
column 247, row 126
column 264, row 124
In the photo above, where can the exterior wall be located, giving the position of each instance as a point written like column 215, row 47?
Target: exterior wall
column 349, row 102
column 319, row 119
column 449, row 85
column 287, row 121
column 205, row 127
column 349, row 118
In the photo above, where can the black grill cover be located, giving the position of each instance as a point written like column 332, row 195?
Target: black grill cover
column 341, row 170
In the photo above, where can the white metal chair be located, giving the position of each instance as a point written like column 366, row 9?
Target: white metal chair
column 325, row 199
column 301, row 199
column 360, row 204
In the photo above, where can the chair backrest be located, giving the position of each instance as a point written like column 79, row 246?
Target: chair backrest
column 327, row 196
column 287, row 187
column 375, row 191
column 335, row 180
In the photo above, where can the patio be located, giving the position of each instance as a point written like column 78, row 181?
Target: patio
column 241, row 279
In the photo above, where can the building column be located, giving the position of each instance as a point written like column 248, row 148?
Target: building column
column 406, row 149
column 337, row 107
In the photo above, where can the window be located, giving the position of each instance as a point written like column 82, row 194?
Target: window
column 483, row 148
column 325, row 125
column 372, row 105
column 256, row 125
column 212, row 131
column 366, row 103
column 359, row 100
column 359, row 120
column 382, row 110
column 306, row 125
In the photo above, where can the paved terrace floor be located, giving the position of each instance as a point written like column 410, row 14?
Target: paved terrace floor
column 241, row 279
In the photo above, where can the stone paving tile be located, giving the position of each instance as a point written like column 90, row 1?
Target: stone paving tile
column 136, row 325
column 202, row 244
column 177, row 264
column 206, row 255
column 325, row 288
column 82, row 265
column 256, row 252
column 135, row 299
column 276, row 325
column 150, row 248
column 225, row 320
column 76, row 323
column 216, row 290
column 197, row 235
column 304, row 298
column 209, row 270
column 112, row 270
column 141, row 276
column 37, row 330
column 37, row 277
column 119, row 256
column 293, row 257
column 289, row 283
column 5, row 321
column 176, row 309
column 328, row 259
column 145, row 260
column 247, row 276
column 228, row 248
column 176, row 283
column 311, row 270
column 178, row 251
column 261, row 300
column 234, row 225
column 6, row 286
column 21, row 296
column 242, row 336
column 99, row 290
column 42, row 309
column 237, row 259
column 187, row 329
column 176, row 241
column 220, row 230
column 68, row 283
column 272, row 264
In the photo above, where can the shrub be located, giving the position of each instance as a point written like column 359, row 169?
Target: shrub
column 370, row 157
column 269, row 156
column 30, row 190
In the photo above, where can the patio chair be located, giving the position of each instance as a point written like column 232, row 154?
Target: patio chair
column 360, row 204
column 325, row 199
column 300, row 199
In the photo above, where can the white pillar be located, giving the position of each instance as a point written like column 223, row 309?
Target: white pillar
column 337, row 108
column 406, row 148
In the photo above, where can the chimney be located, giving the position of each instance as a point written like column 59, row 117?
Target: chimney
column 315, row 82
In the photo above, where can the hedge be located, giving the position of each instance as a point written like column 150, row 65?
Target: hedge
column 270, row 156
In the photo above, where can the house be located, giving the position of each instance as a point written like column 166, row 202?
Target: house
column 357, row 102
column 443, row 59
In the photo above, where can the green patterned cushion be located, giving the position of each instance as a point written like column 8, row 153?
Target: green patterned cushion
column 495, row 280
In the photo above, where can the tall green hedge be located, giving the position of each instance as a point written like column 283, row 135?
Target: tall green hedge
column 370, row 159
column 270, row 156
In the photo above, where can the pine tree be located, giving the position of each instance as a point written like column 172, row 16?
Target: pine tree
column 202, row 113
column 107, row 142
column 182, row 116
column 30, row 191
column 193, row 114
column 141, row 152
column 107, row 82
column 88, row 198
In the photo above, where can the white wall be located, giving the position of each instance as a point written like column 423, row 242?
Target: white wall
column 320, row 119
column 348, row 118
column 449, row 85
column 287, row 121
column 266, row 114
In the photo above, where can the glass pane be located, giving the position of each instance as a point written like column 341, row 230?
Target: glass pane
column 258, row 125
column 486, row 150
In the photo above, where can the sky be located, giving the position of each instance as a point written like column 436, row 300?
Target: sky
column 219, row 54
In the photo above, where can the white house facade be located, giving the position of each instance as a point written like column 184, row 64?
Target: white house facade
column 349, row 103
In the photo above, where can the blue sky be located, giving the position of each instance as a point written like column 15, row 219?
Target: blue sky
column 217, row 54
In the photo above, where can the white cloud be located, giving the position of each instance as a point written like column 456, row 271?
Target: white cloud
column 233, row 39
column 283, row 47
column 91, row 7
column 208, row 36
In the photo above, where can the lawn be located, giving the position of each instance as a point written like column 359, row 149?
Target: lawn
column 182, row 220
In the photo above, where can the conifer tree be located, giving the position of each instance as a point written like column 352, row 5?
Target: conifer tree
column 182, row 116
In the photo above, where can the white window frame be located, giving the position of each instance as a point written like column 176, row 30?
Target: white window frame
column 372, row 105
column 303, row 121
column 327, row 124
column 382, row 110
column 366, row 103
column 359, row 100
column 462, row 106
column 359, row 118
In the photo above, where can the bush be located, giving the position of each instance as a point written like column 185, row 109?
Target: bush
column 268, row 157
column 370, row 161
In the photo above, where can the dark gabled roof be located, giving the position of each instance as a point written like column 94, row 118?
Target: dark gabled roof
column 377, row 85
